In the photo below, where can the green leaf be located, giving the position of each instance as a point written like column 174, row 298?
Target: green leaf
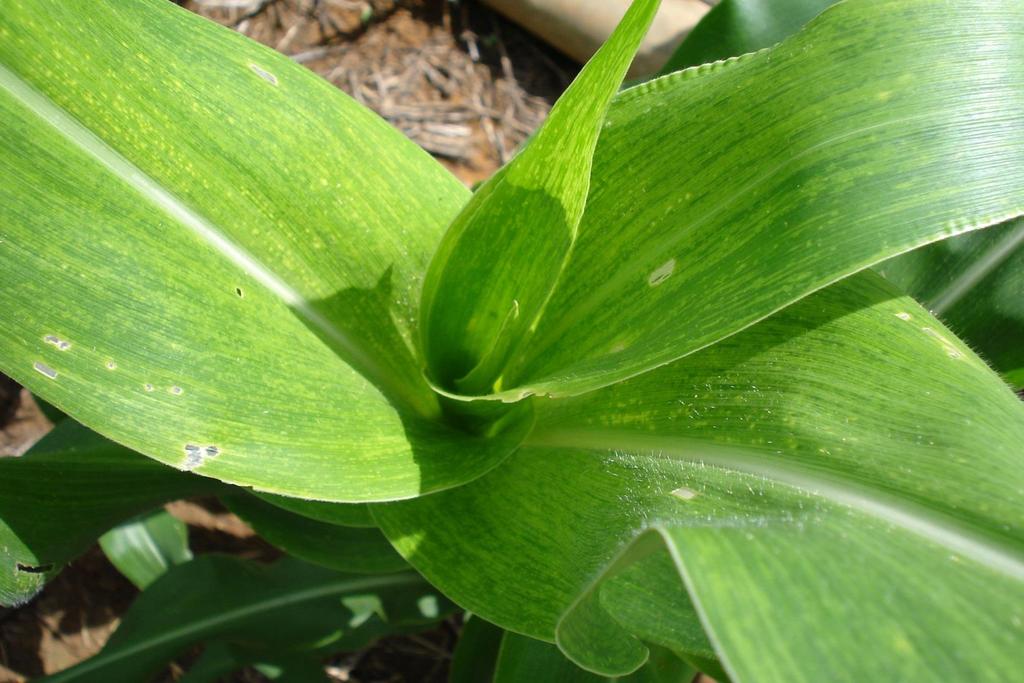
column 735, row 27
column 975, row 284
column 476, row 652
column 345, row 548
column 527, row 659
column 501, row 258
column 145, row 547
column 847, row 461
column 486, row 654
column 357, row 515
column 645, row 599
column 720, row 195
column 260, row 612
column 70, row 488
column 216, row 661
column 52, row 414
column 229, row 250
column 972, row 281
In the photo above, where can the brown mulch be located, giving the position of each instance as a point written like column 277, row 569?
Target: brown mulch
column 22, row 423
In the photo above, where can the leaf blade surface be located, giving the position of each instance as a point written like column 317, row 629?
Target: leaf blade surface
column 757, row 181
column 204, row 304
column 765, row 439
column 502, row 256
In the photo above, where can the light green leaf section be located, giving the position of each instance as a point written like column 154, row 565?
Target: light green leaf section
column 502, row 256
column 251, row 613
column 735, row 27
column 145, row 547
column 790, row 499
column 204, row 245
column 344, row 548
column 70, row 488
column 975, row 284
column 722, row 194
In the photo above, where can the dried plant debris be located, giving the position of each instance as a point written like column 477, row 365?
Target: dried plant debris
column 458, row 79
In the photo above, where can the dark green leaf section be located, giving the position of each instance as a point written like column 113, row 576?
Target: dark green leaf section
column 217, row 662
column 502, row 256
column 975, row 283
column 70, row 488
column 486, row 654
column 755, row 182
column 357, row 514
column 145, row 547
column 229, row 250
column 735, row 27
column 476, row 652
column 645, row 599
column 252, row 613
column 526, row 659
column 821, row 467
column 344, row 548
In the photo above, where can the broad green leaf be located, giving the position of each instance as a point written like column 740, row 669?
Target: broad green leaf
column 145, row 547
column 66, row 491
column 527, row 659
column 735, row 27
column 345, row 548
column 357, row 515
column 501, row 258
column 722, row 194
column 212, row 256
column 971, row 281
column 975, row 284
column 847, row 461
column 263, row 610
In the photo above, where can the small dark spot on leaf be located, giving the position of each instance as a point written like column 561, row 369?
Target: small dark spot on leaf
column 238, row 291
column 33, row 569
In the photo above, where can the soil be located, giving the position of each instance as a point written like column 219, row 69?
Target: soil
column 456, row 78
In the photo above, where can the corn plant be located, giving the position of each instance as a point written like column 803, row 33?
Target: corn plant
column 643, row 397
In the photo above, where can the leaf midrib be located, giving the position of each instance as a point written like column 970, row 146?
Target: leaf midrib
column 934, row 526
column 84, row 139
column 277, row 602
